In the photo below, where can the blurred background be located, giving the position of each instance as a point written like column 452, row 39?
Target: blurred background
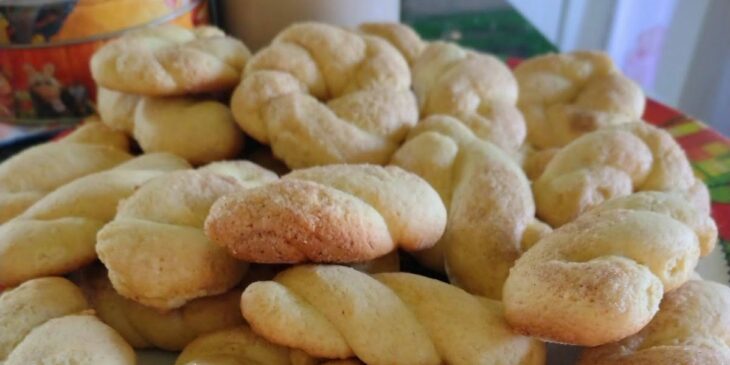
column 678, row 50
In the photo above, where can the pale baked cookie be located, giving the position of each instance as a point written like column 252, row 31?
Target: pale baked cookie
column 57, row 234
column 335, row 312
column 42, row 321
column 158, row 233
column 145, row 327
column 601, row 277
column 612, row 162
column 476, row 88
column 31, row 174
column 116, row 109
column 487, row 196
column 401, row 36
column 197, row 130
column 319, row 94
column 563, row 96
column 74, row 339
column 691, row 327
column 170, row 60
column 240, row 346
column 335, row 213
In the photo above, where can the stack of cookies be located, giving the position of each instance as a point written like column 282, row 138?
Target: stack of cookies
column 527, row 208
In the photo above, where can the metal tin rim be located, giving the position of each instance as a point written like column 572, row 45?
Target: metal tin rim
column 105, row 36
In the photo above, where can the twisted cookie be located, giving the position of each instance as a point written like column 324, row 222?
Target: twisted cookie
column 476, row 88
column 563, row 96
column 240, row 346
column 321, row 95
column 401, row 36
column 608, row 163
column 170, row 60
column 335, row 213
column 199, row 131
column 42, row 322
column 57, row 234
column 145, row 327
column 157, row 233
column 601, row 277
column 487, row 196
column 31, row 174
column 335, row 312
column 691, row 327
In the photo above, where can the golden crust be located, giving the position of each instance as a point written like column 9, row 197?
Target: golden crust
column 601, row 277
column 170, row 60
column 564, row 96
column 335, row 213
column 157, row 232
column 336, row 312
column 691, row 328
column 476, row 88
column 487, row 196
column 57, row 234
column 320, row 94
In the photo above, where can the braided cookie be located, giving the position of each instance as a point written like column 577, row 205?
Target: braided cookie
column 608, row 163
column 320, row 95
column 170, row 60
column 563, row 96
column 476, row 88
column 42, row 322
column 197, row 130
column 335, row 312
column 145, row 327
column 335, row 213
column 31, row 174
column 57, row 234
column 601, row 277
column 401, row 36
column 240, row 346
column 488, row 200
column 157, row 233
column 691, row 327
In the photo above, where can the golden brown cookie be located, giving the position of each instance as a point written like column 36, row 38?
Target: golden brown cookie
column 611, row 162
column 336, row 312
column 564, row 96
column 601, row 277
column 170, row 60
column 691, row 327
column 31, row 174
column 158, row 233
column 319, row 94
column 476, row 88
column 57, row 234
column 335, row 213
column 145, row 327
column 45, row 321
column 487, row 196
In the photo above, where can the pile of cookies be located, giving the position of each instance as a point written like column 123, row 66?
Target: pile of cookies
column 537, row 206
